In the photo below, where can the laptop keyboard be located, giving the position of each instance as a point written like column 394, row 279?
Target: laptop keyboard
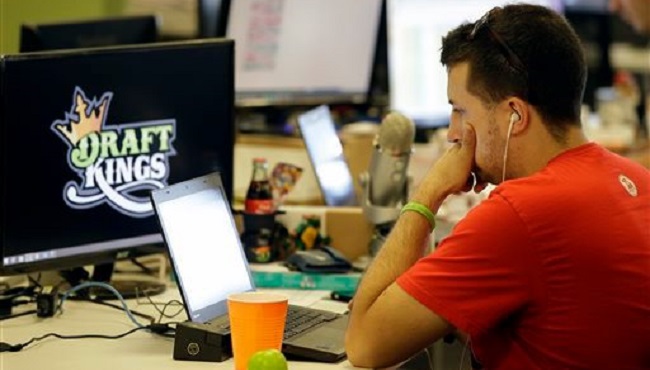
column 299, row 319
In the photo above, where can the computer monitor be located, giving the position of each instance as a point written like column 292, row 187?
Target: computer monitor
column 325, row 153
column 303, row 51
column 86, row 134
column 89, row 33
column 417, row 80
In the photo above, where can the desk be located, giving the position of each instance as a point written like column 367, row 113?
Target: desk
column 139, row 351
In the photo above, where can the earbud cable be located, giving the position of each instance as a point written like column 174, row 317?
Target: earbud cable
column 505, row 152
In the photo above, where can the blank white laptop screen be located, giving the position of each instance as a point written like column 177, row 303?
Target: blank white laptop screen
column 204, row 246
column 327, row 158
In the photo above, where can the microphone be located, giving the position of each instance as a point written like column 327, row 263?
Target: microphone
column 386, row 182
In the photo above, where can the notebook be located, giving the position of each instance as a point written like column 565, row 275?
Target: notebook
column 326, row 155
column 207, row 257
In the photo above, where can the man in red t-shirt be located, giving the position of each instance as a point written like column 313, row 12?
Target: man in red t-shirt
column 552, row 271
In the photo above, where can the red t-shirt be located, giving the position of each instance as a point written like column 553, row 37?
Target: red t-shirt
column 551, row 271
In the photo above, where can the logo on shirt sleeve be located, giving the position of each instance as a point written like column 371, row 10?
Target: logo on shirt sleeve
column 628, row 185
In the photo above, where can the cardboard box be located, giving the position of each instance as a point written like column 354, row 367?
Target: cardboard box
column 348, row 227
column 350, row 231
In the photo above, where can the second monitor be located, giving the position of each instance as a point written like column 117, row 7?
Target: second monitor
column 326, row 154
column 303, row 51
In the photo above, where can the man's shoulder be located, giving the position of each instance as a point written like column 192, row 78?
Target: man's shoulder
column 578, row 180
column 537, row 187
column 540, row 195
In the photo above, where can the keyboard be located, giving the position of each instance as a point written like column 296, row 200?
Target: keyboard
column 299, row 319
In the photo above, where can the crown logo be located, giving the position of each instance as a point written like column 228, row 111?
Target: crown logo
column 89, row 118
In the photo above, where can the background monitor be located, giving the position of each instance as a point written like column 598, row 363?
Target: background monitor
column 89, row 33
column 418, row 82
column 86, row 134
column 326, row 155
column 303, row 51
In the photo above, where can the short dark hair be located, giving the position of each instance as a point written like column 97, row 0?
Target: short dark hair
column 527, row 51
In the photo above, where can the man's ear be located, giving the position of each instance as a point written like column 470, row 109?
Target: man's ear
column 519, row 114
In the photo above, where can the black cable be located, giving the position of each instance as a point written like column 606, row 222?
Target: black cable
column 159, row 328
column 19, row 291
column 144, row 268
column 37, row 281
column 151, row 319
column 17, row 315
column 165, row 305
column 163, row 329
column 12, row 297
column 19, row 302
column 6, row 347
column 162, row 312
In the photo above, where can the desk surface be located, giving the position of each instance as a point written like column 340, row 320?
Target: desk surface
column 140, row 350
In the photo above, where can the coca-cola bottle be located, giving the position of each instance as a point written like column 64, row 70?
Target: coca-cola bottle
column 259, row 197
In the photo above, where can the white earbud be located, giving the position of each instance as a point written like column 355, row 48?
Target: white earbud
column 514, row 117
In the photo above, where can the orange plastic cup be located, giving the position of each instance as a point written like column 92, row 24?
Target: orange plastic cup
column 257, row 322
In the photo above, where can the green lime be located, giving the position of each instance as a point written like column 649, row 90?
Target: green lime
column 268, row 359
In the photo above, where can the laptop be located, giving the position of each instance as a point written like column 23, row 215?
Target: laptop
column 207, row 256
column 326, row 155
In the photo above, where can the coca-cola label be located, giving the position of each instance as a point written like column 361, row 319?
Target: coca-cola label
column 259, row 206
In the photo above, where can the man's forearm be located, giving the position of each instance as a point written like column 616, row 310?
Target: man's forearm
column 403, row 247
column 401, row 250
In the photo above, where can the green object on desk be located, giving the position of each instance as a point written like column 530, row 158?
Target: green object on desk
column 270, row 359
column 302, row 280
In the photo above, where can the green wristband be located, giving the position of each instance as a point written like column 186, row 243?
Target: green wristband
column 421, row 209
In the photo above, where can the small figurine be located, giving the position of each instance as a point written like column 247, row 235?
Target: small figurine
column 307, row 234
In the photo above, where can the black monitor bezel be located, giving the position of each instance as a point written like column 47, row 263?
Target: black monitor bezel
column 33, row 37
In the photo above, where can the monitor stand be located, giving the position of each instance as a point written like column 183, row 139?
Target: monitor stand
column 128, row 288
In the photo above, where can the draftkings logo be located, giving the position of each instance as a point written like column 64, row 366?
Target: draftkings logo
column 117, row 164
